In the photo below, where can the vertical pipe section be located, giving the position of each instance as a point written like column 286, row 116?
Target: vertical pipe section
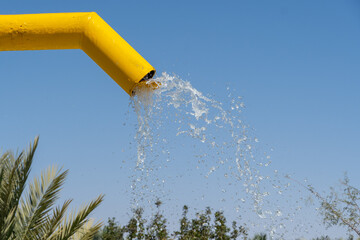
column 86, row 31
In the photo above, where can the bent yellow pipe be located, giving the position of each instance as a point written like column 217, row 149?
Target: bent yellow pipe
column 86, row 31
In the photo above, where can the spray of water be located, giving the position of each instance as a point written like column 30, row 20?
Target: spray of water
column 192, row 144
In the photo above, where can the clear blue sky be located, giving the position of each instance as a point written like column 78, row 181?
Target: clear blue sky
column 296, row 64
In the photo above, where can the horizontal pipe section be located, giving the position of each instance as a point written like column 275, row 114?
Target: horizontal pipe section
column 86, row 31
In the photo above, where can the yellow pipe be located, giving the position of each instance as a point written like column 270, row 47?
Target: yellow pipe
column 86, row 31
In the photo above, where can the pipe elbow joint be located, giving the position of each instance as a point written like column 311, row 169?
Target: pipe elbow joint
column 113, row 54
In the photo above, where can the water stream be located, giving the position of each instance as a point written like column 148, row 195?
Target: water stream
column 199, row 150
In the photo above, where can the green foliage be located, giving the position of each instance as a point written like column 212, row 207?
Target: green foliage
column 341, row 207
column 156, row 230
column 221, row 230
column 112, row 232
column 201, row 227
column 32, row 214
column 259, row 237
column 322, row 238
column 140, row 223
column 238, row 231
column 184, row 233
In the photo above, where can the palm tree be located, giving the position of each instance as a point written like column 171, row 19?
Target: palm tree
column 30, row 214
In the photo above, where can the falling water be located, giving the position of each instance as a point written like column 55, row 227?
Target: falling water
column 185, row 138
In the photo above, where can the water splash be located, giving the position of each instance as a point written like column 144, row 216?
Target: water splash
column 177, row 122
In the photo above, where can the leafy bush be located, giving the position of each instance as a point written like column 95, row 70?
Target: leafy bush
column 339, row 207
column 201, row 227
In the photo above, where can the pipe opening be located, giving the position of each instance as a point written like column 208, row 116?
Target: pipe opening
column 148, row 76
column 143, row 83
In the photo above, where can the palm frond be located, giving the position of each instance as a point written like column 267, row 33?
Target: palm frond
column 76, row 221
column 14, row 172
column 87, row 231
column 52, row 222
column 32, row 216
column 39, row 201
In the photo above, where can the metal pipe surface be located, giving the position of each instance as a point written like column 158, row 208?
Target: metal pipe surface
column 86, row 31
